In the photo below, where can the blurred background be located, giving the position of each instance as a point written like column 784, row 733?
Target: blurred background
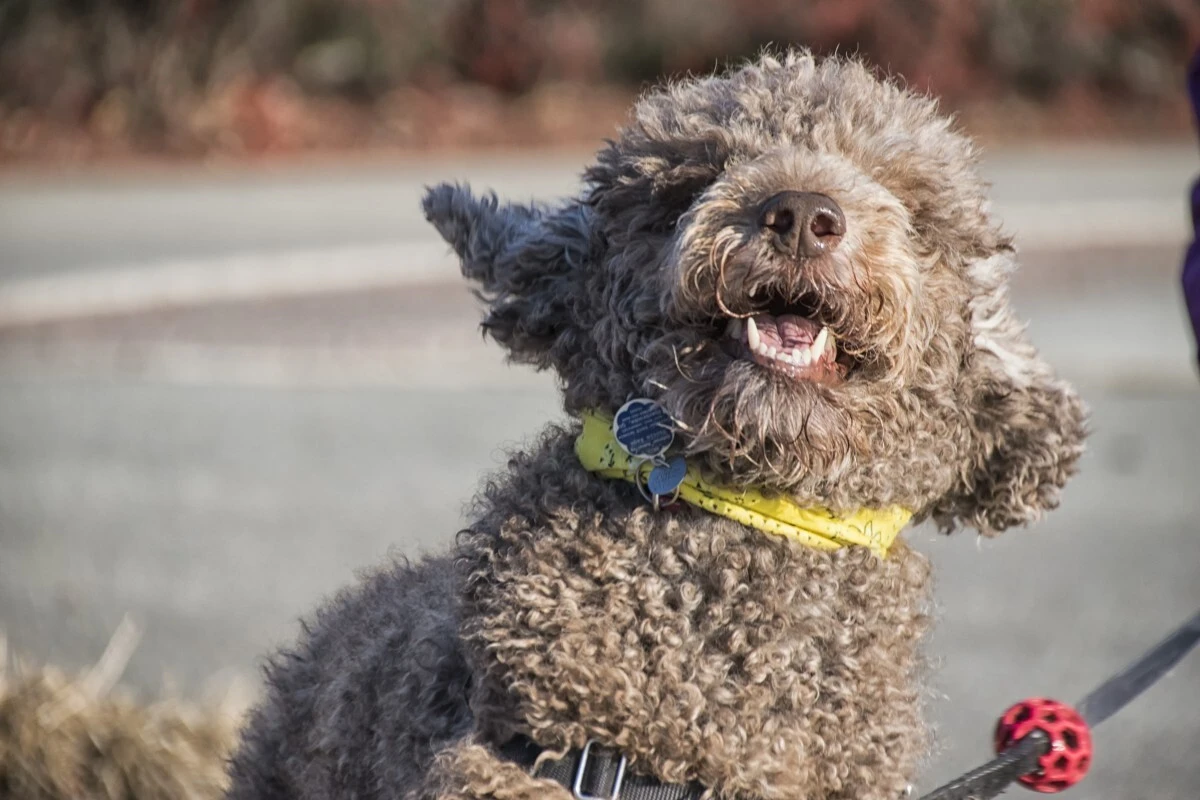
column 236, row 366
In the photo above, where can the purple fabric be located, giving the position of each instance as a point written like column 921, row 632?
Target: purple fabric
column 1191, row 263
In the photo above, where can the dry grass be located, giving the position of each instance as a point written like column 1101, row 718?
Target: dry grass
column 83, row 738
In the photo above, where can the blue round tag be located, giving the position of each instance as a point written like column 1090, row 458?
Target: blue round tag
column 643, row 428
column 665, row 479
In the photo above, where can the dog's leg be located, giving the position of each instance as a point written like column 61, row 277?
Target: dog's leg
column 376, row 687
column 469, row 770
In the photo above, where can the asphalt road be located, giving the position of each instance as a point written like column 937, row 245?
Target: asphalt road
column 215, row 471
column 54, row 223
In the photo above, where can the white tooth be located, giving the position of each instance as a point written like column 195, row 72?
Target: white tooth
column 771, row 352
column 818, row 345
column 804, row 357
column 734, row 329
column 752, row 337
column 783, row 357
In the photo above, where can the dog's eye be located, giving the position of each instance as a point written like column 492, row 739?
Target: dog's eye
column 676, row 192
column 675, row 203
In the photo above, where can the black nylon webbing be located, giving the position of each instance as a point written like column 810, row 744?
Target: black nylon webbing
column 600, row 775
column 998, row 774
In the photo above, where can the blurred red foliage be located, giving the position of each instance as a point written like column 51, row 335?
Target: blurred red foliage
column 79, row 78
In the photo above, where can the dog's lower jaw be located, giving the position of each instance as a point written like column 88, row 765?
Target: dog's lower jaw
column 703, row 649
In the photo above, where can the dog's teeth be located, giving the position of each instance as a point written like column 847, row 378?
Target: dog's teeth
column 783, row 357
column 752, row 337
column 818, row 345
column 771, row 351
column 804, row 357
column 734, row 329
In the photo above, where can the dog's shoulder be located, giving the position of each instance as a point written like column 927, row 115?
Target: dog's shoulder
column 376, row 683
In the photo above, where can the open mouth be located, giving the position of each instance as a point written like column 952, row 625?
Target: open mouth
column 790, row 341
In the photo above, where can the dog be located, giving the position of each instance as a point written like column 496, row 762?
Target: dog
column 779, row 317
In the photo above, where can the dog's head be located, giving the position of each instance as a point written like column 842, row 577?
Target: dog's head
column 796, row 260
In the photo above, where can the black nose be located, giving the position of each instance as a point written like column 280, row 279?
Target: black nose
column 803, row 223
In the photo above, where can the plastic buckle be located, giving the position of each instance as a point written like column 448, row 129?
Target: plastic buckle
column 581, row 770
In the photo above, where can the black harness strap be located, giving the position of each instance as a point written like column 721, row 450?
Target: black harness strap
column 596, row 773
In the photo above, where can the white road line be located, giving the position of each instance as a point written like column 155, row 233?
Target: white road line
column 272, row 366
column 243, row 276
column 1044, row 227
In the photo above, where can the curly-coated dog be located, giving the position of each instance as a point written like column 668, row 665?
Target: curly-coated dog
column 793, row 265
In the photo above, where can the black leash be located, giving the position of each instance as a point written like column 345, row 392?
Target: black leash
column 1108, row 698
column 1046, row 745
column 998, row 774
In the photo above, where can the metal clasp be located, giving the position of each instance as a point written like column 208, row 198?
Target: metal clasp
column 581, row 770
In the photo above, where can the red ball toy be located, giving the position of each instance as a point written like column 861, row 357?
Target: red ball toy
column 1070, row 752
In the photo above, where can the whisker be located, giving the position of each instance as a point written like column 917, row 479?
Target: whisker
column 679, row 366
column 721, row 285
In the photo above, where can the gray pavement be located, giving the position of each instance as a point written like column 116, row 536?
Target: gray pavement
column 54, row 223
column 215, row 471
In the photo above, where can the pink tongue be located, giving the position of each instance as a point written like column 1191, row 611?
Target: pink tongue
column 786, row 332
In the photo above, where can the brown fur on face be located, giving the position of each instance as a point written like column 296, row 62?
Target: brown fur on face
column 947, row 410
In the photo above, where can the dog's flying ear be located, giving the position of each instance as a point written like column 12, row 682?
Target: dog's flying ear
column 1028, row 426
column 528, row 263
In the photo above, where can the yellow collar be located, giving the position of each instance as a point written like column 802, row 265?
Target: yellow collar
column 599, row 452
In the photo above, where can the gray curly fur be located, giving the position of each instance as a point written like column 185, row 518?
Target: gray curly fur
column 704, row 650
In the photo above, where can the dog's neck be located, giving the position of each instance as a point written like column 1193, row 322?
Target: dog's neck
column 600, row 451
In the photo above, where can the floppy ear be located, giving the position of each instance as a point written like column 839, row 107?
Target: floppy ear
column 528, row 263
column 1028, row 427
